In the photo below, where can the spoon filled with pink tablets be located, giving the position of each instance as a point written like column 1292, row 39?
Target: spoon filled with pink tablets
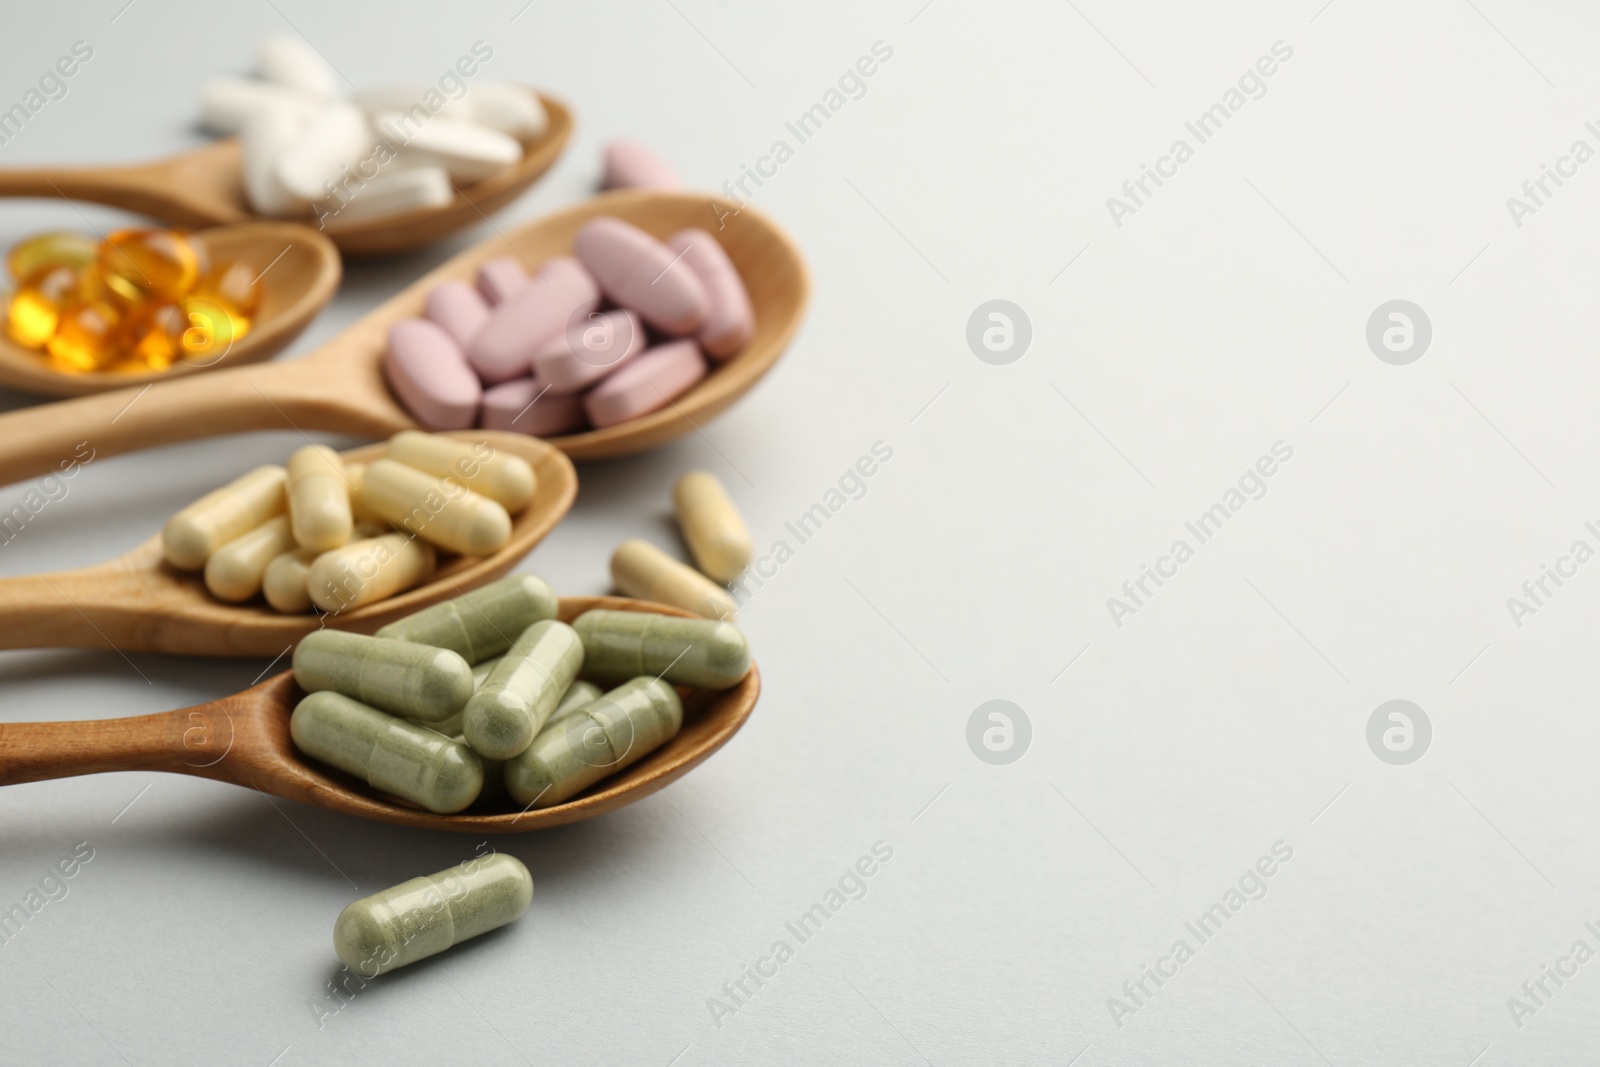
column 609, row 327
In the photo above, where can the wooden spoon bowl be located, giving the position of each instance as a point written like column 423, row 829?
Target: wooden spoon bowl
column 139, row 603
column 244, row 739
column 205, row 187
column 339, row 388
column 299, row 270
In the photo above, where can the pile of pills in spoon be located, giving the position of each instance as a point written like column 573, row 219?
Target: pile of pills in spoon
column 307, row 151
column 619, row 329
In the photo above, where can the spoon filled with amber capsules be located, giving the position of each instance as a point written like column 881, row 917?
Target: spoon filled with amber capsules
column 90, row 314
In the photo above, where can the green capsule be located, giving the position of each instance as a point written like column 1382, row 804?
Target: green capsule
column 484, row 622
column 595, row 741
column 480, row 671
column 577, row 695
column 425, row 916
column 389, row 754
column 523, row 689
column 413, row 681
column 696, row 652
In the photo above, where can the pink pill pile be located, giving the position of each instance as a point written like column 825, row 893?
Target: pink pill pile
column 619, row 329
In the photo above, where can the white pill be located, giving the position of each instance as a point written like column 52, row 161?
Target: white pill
column 337, row 136
column 227, row 104
column 406, row 190
column 468, row 152
column 417, row 102
column 510, row 108
column 266, row 135
column 289, row 60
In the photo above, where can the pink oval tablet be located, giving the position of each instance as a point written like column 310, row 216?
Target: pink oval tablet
column 459, row 309
column 588, row 350
column 522, row 406
column 425, row 368
column 650, row 381
column 504, row 348
column 729, row 320
column 630, row 165
column 501, row 277
column 641, row 274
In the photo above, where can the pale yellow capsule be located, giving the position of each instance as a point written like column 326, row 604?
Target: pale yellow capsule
column 640, row 569
column 200, row 529
column 234, row 571
column 440, row 510
column 319, row 499
column 506, row 479
column 368, row 570
column 284, row 582
column 718, row 538
column 354, row 473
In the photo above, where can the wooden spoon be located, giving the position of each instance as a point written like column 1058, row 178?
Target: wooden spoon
column 205, row 188
column 138, row 603
column 244, row 739
column 339, row 388
column 299, row 270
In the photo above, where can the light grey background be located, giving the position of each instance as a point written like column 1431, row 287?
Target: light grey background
column 1168, row 754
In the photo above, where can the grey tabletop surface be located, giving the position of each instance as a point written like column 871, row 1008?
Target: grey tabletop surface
column 1229, row 376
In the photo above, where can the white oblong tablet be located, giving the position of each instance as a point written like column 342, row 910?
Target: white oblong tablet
column 265, row 137
column 227, row 104
column 412, row 100
column 337, row 136
column 508, row 107
column 390, row 194
column 466, row 151
column 288, row 59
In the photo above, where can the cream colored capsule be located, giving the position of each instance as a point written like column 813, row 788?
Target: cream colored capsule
column 440, row 510
column 200, row 529
column 234, row 571
column 368, row 570
column 640, row 569
column 283, row 583
column 354, row 473
column 506, row 479
column 717, row 535
column 319, row 499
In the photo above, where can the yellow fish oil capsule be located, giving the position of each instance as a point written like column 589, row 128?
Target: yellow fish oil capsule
column 285, row 581
column 236, row 289
column 160, row 263
column 640, row 569
column 594, row 742
column 425, row 916
column 152, row 335
column 36, row 306
column 505, row 479
column 55, row 249
column 200, row 529
column 319, row 499
column 440, row 510
column 368, row 570
column 86, row 337
column 717, row 536
column 389, row 754
column 234, row 571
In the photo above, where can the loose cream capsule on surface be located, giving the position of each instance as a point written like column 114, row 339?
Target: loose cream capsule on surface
column 696, row 652
column 717, row 536
column 389, row 754
column 369, row 570
column 200, row 529
column 483, row 623
column 234, row 571
column 640, row 569
column 284, row 581
column 516, row 700
column 416, row 682
column 440, row 510
column 507, row 479
column 595, row 741
column 319, row 499
column 425, row 916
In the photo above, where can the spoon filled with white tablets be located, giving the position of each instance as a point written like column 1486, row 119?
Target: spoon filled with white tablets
column 380, row 171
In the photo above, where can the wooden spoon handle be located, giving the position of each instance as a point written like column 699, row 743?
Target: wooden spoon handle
column 147, row 190
column 190, row 741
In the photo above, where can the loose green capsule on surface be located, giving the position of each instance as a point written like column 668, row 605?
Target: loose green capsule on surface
column 425, row 916
column 696, row 652
column 484, row 622
column 413, row 681
column 595, row 741
column 389, row 754
column 517, row 698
